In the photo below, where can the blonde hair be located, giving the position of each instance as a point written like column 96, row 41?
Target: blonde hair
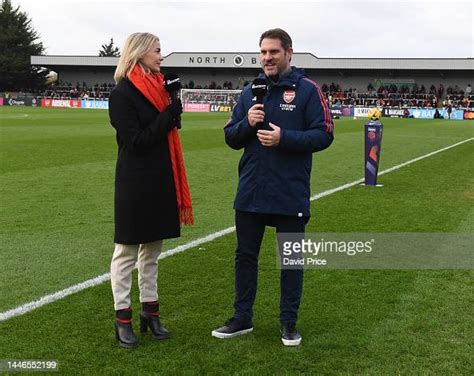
column 135, row 47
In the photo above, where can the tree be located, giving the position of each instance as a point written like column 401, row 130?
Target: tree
column 18, row 42
column 109, row 49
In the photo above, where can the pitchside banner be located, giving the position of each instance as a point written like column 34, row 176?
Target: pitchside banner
column 336, row 111
column 428, row 113
column 1, row 101
column 61, row 103
column 361, row 111
column 347, row 111
column 468, row 115
column 392, row 112
column 342, row 111
column 220, row 108
column 22, row 101
column 197, row 107
column 373, row 144
column 95, row 104
column 74, row 103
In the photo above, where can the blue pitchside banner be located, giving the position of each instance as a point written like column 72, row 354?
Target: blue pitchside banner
column 428, row 113
column 95, row 104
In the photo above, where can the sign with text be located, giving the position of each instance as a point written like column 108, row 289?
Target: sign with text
column 220, row 108
column 428, row 113
column 104, row 105
column 22, row 101
column 197, row 107
column 391, row 251
column 361, row 111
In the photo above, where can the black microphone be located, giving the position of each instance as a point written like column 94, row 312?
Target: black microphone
column 173, row 86
column 259, row 90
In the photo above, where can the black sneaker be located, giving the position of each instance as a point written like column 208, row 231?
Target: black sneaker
column 289, row 335
column 232, row 328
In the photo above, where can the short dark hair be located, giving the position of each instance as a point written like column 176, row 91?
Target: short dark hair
column 281, row 34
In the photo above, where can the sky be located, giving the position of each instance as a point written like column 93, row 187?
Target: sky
column 325, row 28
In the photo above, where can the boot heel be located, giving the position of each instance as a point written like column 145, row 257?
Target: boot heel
column 143, row 325
column 125, row 336
column 156, row 329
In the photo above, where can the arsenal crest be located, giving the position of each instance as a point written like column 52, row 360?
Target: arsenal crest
column 289, row 95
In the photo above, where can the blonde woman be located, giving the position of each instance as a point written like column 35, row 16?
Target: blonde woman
column 152, row 197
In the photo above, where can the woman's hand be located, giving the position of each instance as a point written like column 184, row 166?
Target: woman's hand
column 175, row 108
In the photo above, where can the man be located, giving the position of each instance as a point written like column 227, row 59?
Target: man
column 468, row 90
column 279, row 137
column 448, row 106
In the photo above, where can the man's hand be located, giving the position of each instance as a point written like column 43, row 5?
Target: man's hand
column 255, row 115
column 269, row 138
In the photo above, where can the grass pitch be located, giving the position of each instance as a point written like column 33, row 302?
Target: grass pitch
column 56, row 227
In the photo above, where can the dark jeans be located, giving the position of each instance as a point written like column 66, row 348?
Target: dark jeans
column 250, row 228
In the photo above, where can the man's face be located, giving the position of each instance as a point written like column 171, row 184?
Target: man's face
column 273, row 57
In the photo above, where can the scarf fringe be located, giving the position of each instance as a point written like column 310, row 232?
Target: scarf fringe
column 186, row 216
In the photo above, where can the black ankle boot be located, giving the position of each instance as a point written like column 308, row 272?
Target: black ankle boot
column 150, row 318
column 124, row 330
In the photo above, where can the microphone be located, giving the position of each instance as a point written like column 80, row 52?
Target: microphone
column 173, row 86
column 259, row 90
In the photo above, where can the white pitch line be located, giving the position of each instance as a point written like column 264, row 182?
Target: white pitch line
column 25, row 308
column 28, row 307
column 356, row 182
column 424, row 156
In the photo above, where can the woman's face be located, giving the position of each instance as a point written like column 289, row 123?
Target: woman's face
column 152, row 59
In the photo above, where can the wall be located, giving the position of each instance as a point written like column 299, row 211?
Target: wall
column 90, row 77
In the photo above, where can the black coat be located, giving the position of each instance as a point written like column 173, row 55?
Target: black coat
column 146, row 208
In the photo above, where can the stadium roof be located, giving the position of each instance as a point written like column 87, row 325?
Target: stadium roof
column 251, row 60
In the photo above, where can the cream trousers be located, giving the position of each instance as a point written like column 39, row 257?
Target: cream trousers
column 123, row 262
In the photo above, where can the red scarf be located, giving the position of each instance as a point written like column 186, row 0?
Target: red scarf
column 152, row 87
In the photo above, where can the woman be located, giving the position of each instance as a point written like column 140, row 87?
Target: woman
column 151, row 191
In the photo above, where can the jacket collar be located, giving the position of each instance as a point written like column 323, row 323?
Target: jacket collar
column 288, row 80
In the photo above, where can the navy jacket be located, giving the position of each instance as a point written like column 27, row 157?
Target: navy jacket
column 276, row 180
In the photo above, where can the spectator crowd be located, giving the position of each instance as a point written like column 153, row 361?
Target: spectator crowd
column 382, row 96
column 78, row 91
column 403, row 96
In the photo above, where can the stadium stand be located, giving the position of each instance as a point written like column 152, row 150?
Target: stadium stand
column 383, row 96
column 391, row 83
column 69, row 91
column 335, row 95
